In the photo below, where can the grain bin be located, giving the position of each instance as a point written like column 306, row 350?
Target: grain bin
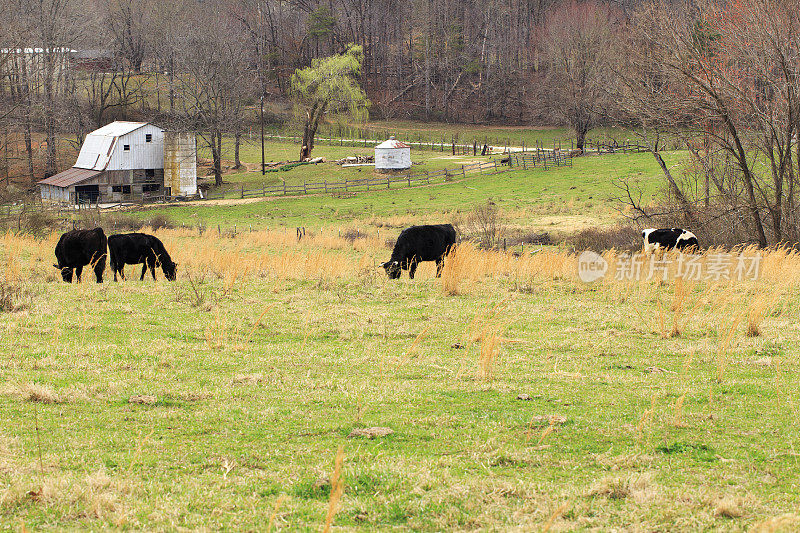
column 392, row 155
column 180, row 163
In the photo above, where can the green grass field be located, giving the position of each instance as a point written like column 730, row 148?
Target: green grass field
column 219, row 401
column 519, row 397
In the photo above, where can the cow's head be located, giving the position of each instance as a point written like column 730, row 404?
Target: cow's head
column 66, row 273
column 169, row 269
column 392, row 268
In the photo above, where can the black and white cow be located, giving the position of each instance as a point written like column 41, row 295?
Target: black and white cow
column 417, row 244
column 136, row 248
column 667, row 239
column 78, row 248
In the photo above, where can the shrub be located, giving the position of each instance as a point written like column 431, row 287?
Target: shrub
column 622, row 238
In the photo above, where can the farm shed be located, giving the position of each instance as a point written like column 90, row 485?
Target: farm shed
column 392, row 155
column 125, row 161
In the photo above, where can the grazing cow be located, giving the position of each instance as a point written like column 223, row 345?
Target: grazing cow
column 668, row 239
column 136, row 248
column 78, row 248
column 420, row 243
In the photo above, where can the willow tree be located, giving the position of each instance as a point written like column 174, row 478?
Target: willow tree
column 329, row 88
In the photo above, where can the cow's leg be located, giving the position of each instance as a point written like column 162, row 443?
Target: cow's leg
column 78, row 272
column 144, row 270
column 122, row 271
column 99, row 268
column 439, row 267
column 152, row 266
column 412, row 268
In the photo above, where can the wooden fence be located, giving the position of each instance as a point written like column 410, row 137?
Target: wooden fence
column 544, row 159
column 613, row 147
column 389, row 181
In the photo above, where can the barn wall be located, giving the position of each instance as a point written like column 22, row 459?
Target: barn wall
column 52, row 193
column 141, row 154
column 135, row 180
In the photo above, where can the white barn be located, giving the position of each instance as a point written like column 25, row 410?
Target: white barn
column 392, row 155
column 122, row 161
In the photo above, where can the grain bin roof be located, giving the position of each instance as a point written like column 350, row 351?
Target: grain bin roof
column 393, row 143
column 70, row 177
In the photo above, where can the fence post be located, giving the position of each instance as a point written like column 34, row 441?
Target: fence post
column 454, row 148
column 284, row 187
column 345, row 185
column 408, row 176
column 305, row 189
column 242, row 190
column 388, row 183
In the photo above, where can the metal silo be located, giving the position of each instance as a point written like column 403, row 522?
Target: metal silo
column 180, row 163
column 392, row 155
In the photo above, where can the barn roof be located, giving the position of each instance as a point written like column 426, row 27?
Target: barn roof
column 393, row 143
column 70, row 177
column 118, row 128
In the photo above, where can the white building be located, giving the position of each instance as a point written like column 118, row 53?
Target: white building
column 392, row 155
column 124, row 161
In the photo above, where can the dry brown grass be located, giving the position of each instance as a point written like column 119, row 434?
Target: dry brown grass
column 486, row 330
column 337, row 490
column 729, row 507
column 37, row 392
column 218, row 264
column 784, row 523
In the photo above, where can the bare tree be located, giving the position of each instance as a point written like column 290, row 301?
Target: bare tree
column 577, row 41
column 213, row 77
column 723, row 78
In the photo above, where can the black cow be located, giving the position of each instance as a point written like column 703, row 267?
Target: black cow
column 668, row 238
column 420, row 243
column 81, row 247
column 136, row 248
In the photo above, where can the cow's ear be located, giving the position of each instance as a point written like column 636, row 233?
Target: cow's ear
column 56, row 266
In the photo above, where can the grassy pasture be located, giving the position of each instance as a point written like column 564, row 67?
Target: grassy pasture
column 560, row 200
column 219, row 401
column 250, row 154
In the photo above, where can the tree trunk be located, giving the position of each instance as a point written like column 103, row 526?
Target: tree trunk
column 237, row 141
column 741, row 158
column 313, row 116
column 216, row 156
column 581, row 132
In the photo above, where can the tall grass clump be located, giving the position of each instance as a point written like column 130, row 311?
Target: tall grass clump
column 486, row 331
column 337, row 490
column 459, row 264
